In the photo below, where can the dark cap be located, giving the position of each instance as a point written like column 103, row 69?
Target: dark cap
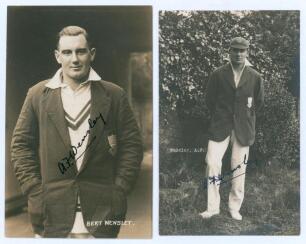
column 240, row 42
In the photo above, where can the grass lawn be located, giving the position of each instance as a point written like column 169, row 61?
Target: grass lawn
column 271, row 205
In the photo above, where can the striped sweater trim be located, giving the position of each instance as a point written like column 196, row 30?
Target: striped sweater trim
column 74, row 123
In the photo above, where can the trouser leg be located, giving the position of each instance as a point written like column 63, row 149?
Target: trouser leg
column 239, row 154
column 215, row 153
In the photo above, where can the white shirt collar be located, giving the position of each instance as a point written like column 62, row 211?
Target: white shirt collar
column 56, row 80
column 239, row 72
column 247, row 63
column 237, row 75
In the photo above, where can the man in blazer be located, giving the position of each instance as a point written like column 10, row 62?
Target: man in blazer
column 76, row 148
column 234, row 97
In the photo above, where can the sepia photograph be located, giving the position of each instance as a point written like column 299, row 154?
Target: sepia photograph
column 229, row 122
column 78, row 153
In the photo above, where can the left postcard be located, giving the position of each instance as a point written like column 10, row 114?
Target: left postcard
column 78, row 122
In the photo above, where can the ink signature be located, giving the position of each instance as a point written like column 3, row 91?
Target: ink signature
column 223, row 178
column 68, row 161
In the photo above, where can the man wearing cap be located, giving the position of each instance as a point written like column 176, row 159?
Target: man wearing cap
column 234, row 97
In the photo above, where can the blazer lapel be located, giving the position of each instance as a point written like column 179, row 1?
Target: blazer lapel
column 229, row 75
column 244, row 76
column 54, row 108
column 100, row 106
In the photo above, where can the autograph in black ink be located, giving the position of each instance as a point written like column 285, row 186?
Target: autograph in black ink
column 221, row 179
column 68, row 161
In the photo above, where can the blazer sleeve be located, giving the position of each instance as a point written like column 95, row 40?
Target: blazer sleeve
column 211, row 93
column 259, row 96
column 24, row 148
column 24, row 156
column 130, row 147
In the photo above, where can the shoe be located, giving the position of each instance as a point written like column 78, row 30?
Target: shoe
column 208, row 214
column 236, row 215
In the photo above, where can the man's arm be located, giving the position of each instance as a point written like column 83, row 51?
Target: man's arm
column 130, row 147
column 259, row 96
column 24, row 148
column 211, row 93
column 24, row 156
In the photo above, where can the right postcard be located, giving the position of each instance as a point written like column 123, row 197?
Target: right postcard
column 229, row 122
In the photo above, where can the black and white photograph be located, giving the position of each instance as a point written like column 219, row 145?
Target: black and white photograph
column 78, row 153
column 229, row 127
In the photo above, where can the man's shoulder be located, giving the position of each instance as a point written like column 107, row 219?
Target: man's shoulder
column 39, row 87
column 113, row 90
column 223, row 68
column 252, row 71
column 111, row 87
column 220, row 69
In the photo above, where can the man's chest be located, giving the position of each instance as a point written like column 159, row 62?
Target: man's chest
column 228, row 89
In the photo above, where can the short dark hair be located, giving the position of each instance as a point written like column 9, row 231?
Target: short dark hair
column 73, row 30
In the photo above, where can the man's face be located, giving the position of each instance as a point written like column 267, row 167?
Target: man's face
column 237, row 55
column 75, row 57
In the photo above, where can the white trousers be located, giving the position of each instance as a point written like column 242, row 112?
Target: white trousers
column 215, row 153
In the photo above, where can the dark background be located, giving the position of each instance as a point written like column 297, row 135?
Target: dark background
column 122, row 36
column 31, row 38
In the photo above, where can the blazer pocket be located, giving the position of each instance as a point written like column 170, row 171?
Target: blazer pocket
column 249, row 106
column 250, row 112
column 119, row 203
column 35, row 209
column 57, row 216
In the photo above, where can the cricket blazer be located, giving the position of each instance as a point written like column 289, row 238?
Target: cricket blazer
column 234, row 108
column 44, row 160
